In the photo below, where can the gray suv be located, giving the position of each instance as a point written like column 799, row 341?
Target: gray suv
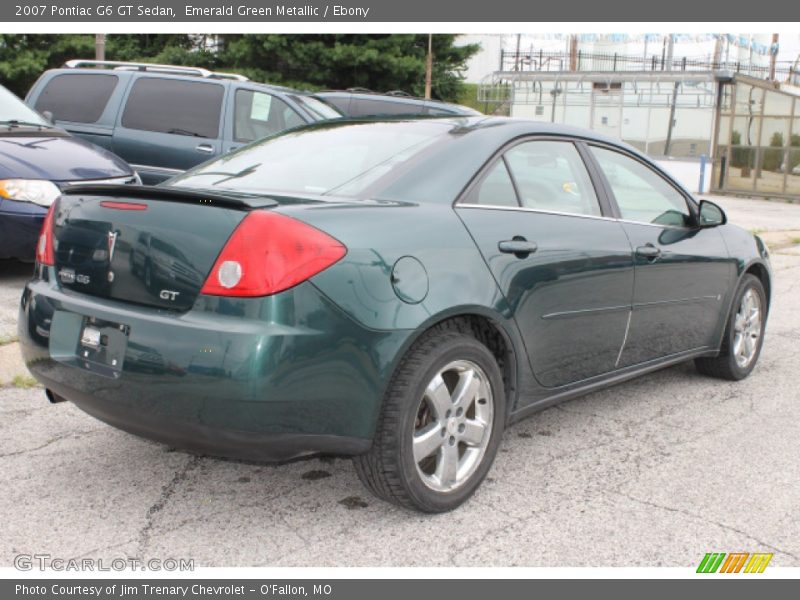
column 164, row 119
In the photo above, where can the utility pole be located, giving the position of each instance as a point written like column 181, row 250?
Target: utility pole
column 670, row 50
column 773, row 56
column 717, row 53
column 100, row 46
column 671, row 125
column 429, row 68
column 573, row 52
column 516, row 54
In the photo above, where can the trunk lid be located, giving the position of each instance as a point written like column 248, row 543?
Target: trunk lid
column 152, row 246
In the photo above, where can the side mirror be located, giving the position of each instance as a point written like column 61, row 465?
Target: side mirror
column 711, row 215
column 48, row 116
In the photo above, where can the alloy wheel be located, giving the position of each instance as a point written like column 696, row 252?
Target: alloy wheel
column 747, row 328
column 453, row 425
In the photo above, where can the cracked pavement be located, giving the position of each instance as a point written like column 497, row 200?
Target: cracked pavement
column 654, row 472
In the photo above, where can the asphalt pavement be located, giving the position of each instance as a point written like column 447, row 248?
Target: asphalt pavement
column 654, row 472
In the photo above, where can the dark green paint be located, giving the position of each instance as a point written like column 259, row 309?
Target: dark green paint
column 306, row 370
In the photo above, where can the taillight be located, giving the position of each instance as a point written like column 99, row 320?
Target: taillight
column 269, row 253
column 44, row 247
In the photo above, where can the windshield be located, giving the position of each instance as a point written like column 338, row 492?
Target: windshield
column 341, row 158
column 320, row 109
column 14, row 109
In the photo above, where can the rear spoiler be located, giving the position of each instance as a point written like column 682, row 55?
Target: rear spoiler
column 173, row 194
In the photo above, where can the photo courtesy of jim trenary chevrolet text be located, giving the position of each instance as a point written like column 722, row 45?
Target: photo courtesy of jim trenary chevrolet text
column 361, row 299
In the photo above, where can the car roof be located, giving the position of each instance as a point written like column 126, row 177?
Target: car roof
column 499, row 128
column 467, row 143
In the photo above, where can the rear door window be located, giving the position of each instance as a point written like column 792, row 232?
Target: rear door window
column 257, row 115
column 173, row 106
column 77, row 97
column 551, row 176
column 495, row 189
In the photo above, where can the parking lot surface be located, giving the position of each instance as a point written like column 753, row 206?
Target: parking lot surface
column 654, row 472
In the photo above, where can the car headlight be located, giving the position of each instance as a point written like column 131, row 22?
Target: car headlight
column 38, row 191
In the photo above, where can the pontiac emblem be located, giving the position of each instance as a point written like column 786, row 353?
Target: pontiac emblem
column 112, row 242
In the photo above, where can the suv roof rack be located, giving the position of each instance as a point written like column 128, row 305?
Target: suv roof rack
column 118, row 65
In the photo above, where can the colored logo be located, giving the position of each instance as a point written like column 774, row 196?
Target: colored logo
column 734, row 562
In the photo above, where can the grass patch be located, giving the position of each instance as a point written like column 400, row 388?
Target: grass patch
column 24, row 381
column 8, row 339
column 469, row 97
column 796, row 241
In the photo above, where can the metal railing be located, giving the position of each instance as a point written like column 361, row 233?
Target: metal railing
column 540, row 60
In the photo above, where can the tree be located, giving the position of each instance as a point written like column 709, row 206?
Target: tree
column 377, row 62
column 24, row 57
column 341, row 61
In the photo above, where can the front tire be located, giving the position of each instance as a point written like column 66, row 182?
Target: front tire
column 744, row 334
column 441, row 424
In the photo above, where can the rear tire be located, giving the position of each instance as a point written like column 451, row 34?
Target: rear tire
column 744, row 334
column 434, row 445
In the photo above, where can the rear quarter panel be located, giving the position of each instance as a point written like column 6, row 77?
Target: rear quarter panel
column 377, row 235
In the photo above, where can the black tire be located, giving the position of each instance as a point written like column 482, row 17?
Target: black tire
column 389, row 470
column 725, row 365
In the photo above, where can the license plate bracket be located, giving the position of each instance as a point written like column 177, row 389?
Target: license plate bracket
column 101, row 346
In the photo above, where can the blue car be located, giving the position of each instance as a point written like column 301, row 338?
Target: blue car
column 37, row 161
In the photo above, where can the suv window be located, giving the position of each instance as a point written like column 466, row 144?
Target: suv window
column 366, row 107
column 257, row 115
column 495, row 189
column 641, row 193
column 174, row 106
column 341, row 103
column 77, row 97
column 437, row 111
column 551, row 176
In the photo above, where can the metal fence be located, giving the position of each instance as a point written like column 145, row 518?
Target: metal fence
column 539, row 60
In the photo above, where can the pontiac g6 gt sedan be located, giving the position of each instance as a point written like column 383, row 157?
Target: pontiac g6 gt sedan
column 398, row 291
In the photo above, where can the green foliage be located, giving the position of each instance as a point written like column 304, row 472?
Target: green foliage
column 335, row 61
column 341, row 61
column 498, row 106
column 24, row 57
column 741, row 156
column 776, row 140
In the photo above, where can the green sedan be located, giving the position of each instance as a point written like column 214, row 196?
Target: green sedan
column 397, row 291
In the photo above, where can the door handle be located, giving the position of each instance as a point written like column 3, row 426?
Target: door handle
column 205, row 148
column 648, row 251
column 518, row 246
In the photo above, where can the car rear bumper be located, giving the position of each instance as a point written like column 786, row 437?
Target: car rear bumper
column 20, row 224
column 259, row 379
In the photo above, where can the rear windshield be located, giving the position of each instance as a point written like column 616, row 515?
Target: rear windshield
column 340, row 158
